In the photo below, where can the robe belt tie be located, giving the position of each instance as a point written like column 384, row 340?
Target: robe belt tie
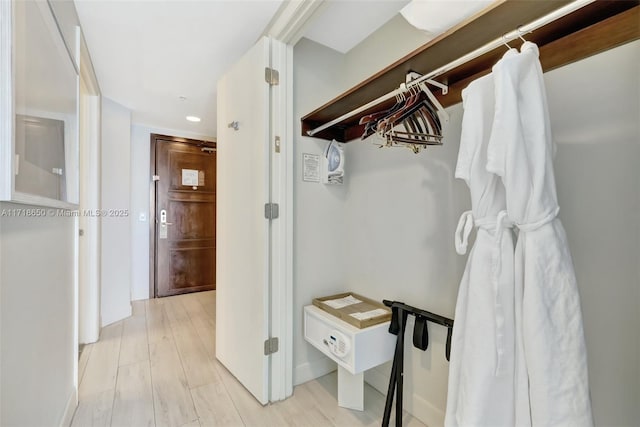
column 465, row 224
column 532, row 226
column 497, row 225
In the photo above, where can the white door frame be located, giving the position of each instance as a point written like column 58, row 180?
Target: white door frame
column 281, row 289
column 286, row 27
column 89, row 246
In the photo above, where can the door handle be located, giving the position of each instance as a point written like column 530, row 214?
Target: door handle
column 163, row 218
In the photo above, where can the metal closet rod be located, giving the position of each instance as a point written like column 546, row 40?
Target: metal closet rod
column 500, row 41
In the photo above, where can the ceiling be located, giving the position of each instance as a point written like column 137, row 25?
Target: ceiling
column 343, row 24
column 149, row 54
column 162, row 58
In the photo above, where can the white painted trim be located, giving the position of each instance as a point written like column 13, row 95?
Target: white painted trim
column 270, row 322
column 285, row 29
column 89, row 308
column 89, row 118
column 288, row 141
column 424, row 411
column 123, row 313
column 281, row 288
column 32, row 200
column 417, row 406
column 6, row 100
column 6, row 112
column 377, row 379
column 76, row 290
column 76, row 247
column 291, row 19
column 0, row 315
column 312, row 370
column 87, row 71
column 69, row 409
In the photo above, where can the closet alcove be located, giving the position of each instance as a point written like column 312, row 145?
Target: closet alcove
column 594, row 28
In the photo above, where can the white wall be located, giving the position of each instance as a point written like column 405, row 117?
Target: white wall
column 37, row 274
column 401, row 215
column 395, row 217
column 598, row 178
column 140, row 192
column 318, row 245
column 140, row 206
column 116, row 195
column 372, row 235
column 389, row 43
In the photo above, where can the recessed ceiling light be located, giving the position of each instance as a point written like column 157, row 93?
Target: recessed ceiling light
column 193, row 118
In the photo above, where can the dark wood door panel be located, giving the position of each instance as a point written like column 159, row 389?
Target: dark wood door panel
column 184, row 262
column 192, row 220
column 185, row 245
column 179, row 160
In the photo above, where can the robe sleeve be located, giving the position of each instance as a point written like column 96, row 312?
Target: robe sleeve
column 466, row 151
column 506, row 131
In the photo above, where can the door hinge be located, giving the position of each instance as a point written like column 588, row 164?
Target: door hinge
column 271, row 210
column 277, row 144
column 155, row 178
column 270, row 346
column 271, row 76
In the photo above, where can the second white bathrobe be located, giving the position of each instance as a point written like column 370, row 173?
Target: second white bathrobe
column 551, row 363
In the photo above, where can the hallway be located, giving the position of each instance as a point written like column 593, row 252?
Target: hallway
column 158, row 368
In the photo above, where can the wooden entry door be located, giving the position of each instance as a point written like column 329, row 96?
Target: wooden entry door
column 185, row 215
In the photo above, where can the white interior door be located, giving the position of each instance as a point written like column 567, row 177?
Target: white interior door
column 242, row 247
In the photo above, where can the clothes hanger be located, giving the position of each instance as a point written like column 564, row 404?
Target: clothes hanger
column 504, row 41
column 407, row 100
column 519, row 31
column 413, row 121
column 435, row 103
column 411, row 106
column 415, row 111
column 422, row 123
column 415, row 141
column 371, row 120
column 427, row 114
column 379, row 114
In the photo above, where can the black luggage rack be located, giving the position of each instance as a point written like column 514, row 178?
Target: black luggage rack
column 399, row 314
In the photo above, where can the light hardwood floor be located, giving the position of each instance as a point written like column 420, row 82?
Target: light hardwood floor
column 158, row 368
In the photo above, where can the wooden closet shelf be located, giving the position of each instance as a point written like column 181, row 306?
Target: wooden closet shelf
column 597, row 27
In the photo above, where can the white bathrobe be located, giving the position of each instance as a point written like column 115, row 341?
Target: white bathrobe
column 551, row 365
column 481, row 373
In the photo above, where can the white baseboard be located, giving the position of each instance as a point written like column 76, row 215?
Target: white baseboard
column 377, row 378
column 140, row 295
column 425, row 411
column 70, row 409
column 312, row 370
column 117, row 315
column 417, row 406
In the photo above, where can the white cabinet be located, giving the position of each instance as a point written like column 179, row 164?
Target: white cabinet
column 354, row 350
column 38, row 107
